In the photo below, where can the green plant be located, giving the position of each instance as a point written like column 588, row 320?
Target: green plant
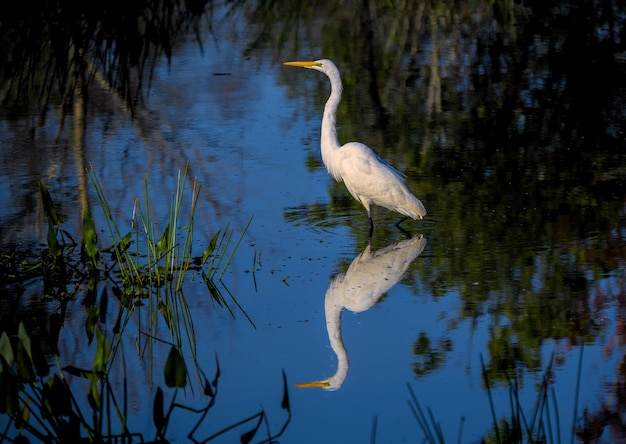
column 542, row 426
column 40, row 404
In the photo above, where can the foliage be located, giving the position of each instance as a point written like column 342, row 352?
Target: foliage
column 52, row 48
column 542, row 425
column 36, row 396
column 42, row 405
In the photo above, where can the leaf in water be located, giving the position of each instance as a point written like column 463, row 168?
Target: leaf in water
column 89, row 238
column 24, row 355
column 24, row 364
column 157, row 411
column 285, row 403
column 54, row 248
column 6, row 351
column 21, row 420
column 125, row 242
column 102, row 353
column 211, row 247
column 208, row 391
column 175, row 369
column 9, row 396
column 165, row 310
column 93, row 396
column 120, row 247
column 207, row 388
column 247, row 437
column 164, row 243
column 48, row 206
column 90, row 323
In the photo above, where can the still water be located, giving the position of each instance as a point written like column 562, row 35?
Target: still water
column 515, row 276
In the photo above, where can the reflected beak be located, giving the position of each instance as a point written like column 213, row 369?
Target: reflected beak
column 320, row 384
column 303, row 64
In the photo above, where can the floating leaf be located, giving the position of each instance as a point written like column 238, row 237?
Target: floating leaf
column 175, row 369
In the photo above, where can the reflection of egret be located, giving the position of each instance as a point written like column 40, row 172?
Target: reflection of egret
column 369, row 276
column 368, row 178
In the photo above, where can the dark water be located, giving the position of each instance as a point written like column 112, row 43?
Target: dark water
column 508, row 123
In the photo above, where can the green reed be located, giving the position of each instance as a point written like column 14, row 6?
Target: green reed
column 542, row 425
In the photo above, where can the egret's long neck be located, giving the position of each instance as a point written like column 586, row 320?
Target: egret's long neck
column 333, row 309
column 329, row 141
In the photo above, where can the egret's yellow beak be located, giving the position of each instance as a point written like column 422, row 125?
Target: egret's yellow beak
column 321, row 384
column 303, row 64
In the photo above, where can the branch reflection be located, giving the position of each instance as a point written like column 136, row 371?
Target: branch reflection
column 370, row 275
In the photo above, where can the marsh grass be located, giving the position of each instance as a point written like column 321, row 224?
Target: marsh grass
column 146, row 272
column 39, row 403
column 153, row 265
column 542, row 425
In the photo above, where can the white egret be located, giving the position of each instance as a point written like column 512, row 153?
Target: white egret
column 370, row 275
column 369, row 179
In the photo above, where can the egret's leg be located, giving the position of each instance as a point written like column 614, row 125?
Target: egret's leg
column 401, row 220
column 369, row 216
column 399, row 227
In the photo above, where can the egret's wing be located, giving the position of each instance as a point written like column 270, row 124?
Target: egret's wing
column 373, row 181
column 364, row 169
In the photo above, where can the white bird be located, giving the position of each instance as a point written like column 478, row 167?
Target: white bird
column 369, row 179
column 370, row 275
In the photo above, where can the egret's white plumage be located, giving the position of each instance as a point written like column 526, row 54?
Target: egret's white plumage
column 370, row 275
column 369, row 179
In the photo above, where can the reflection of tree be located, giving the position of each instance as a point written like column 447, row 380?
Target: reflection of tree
column 515, row 115
column 429, row 357
column 53, row 49
column 60, row 61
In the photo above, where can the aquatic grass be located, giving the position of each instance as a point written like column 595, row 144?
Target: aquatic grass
column 153, row 266
column 431, row 428
column 543, row 425
column 166, row 258
column 146, row 268
column 40, row 403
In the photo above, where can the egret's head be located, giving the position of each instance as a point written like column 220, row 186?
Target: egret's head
column 323, row 65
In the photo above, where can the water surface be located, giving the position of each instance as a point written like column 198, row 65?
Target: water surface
column 487, row 112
